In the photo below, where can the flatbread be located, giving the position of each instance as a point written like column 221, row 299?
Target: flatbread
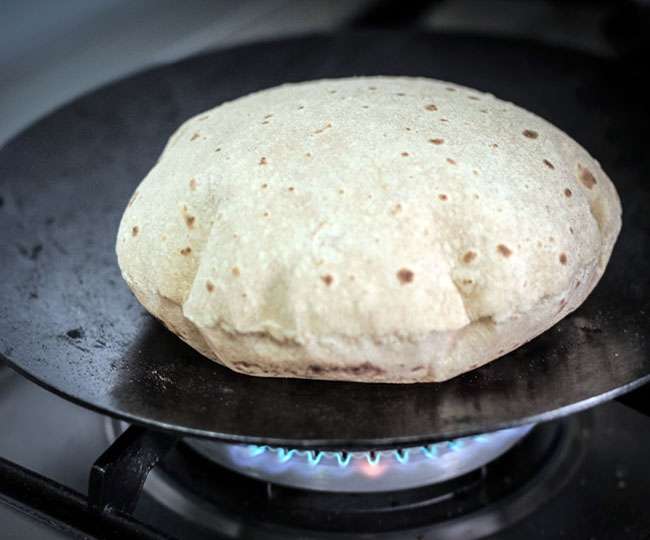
column 387, row 229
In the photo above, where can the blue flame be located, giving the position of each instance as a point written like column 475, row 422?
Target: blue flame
column 373, row 457
column 343, row 458
column 285, row 455
column 402, row 456
column 456, row 444
column 254, row 450
column 430, row 451
column 314, row 457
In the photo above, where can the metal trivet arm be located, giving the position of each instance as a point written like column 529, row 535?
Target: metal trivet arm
column 64, row 509
column 117, row 477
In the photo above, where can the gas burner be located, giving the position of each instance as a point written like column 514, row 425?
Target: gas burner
column 272, row 493
column 360, row 472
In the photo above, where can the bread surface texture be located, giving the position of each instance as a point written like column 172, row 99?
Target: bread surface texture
column 374, row 229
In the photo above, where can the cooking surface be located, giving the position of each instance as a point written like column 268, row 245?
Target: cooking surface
column 68, row 321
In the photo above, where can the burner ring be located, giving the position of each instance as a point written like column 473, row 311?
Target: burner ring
column 358, row 472
column 471, row 506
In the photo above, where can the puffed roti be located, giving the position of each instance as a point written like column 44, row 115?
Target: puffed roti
column 375, row 229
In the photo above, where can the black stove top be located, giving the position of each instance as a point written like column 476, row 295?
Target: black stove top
column 584, row 477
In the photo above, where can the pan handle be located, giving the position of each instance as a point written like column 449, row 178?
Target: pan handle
column 638, row 399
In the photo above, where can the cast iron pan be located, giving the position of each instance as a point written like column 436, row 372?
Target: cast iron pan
column 68, row 322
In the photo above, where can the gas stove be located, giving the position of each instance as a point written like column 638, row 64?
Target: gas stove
column 545, row 468
column 581, row 477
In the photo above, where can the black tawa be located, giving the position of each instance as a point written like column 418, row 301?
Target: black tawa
column 68, row 322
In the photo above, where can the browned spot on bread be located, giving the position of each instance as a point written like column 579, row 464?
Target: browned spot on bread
column 193, row 184
column 563, row 258
column 247, row 365
column 372, row 88
column 204, row 117
column 586, row 177
column 263, row 161
column 189, row 221
column 209, row 285
column 195, row 136
column 504, row 250
column 396, row 209
column 327, row 279
column 436, row 141
column 361, row 369
column 186, row 250
column 442, row 197
column 549, row 164
column 444, row 120
column 407, row 128
column 332, row 91
column 133, row 198
column 266, row 214
column 341, row 191
column 431, row 107
column 451, row 161
column 530, row 133
column 474, row 98
column 450, row 89
column 265, row 122
column 400, row 94
column 268, row 116
column 135, row 230
column 494, row 145
column 571, row 230
column 469, row 257
column 475, row 173
column 326, row 126
column 405, row 276
column 217, row 149
column 301, row 107
column 567, row 192
column 308, row 154
column 404, row 154
column 467, row 282
column 169, row 326
column 483, row 110
column 235, row 271
column 264, row 186
column 291, row 188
